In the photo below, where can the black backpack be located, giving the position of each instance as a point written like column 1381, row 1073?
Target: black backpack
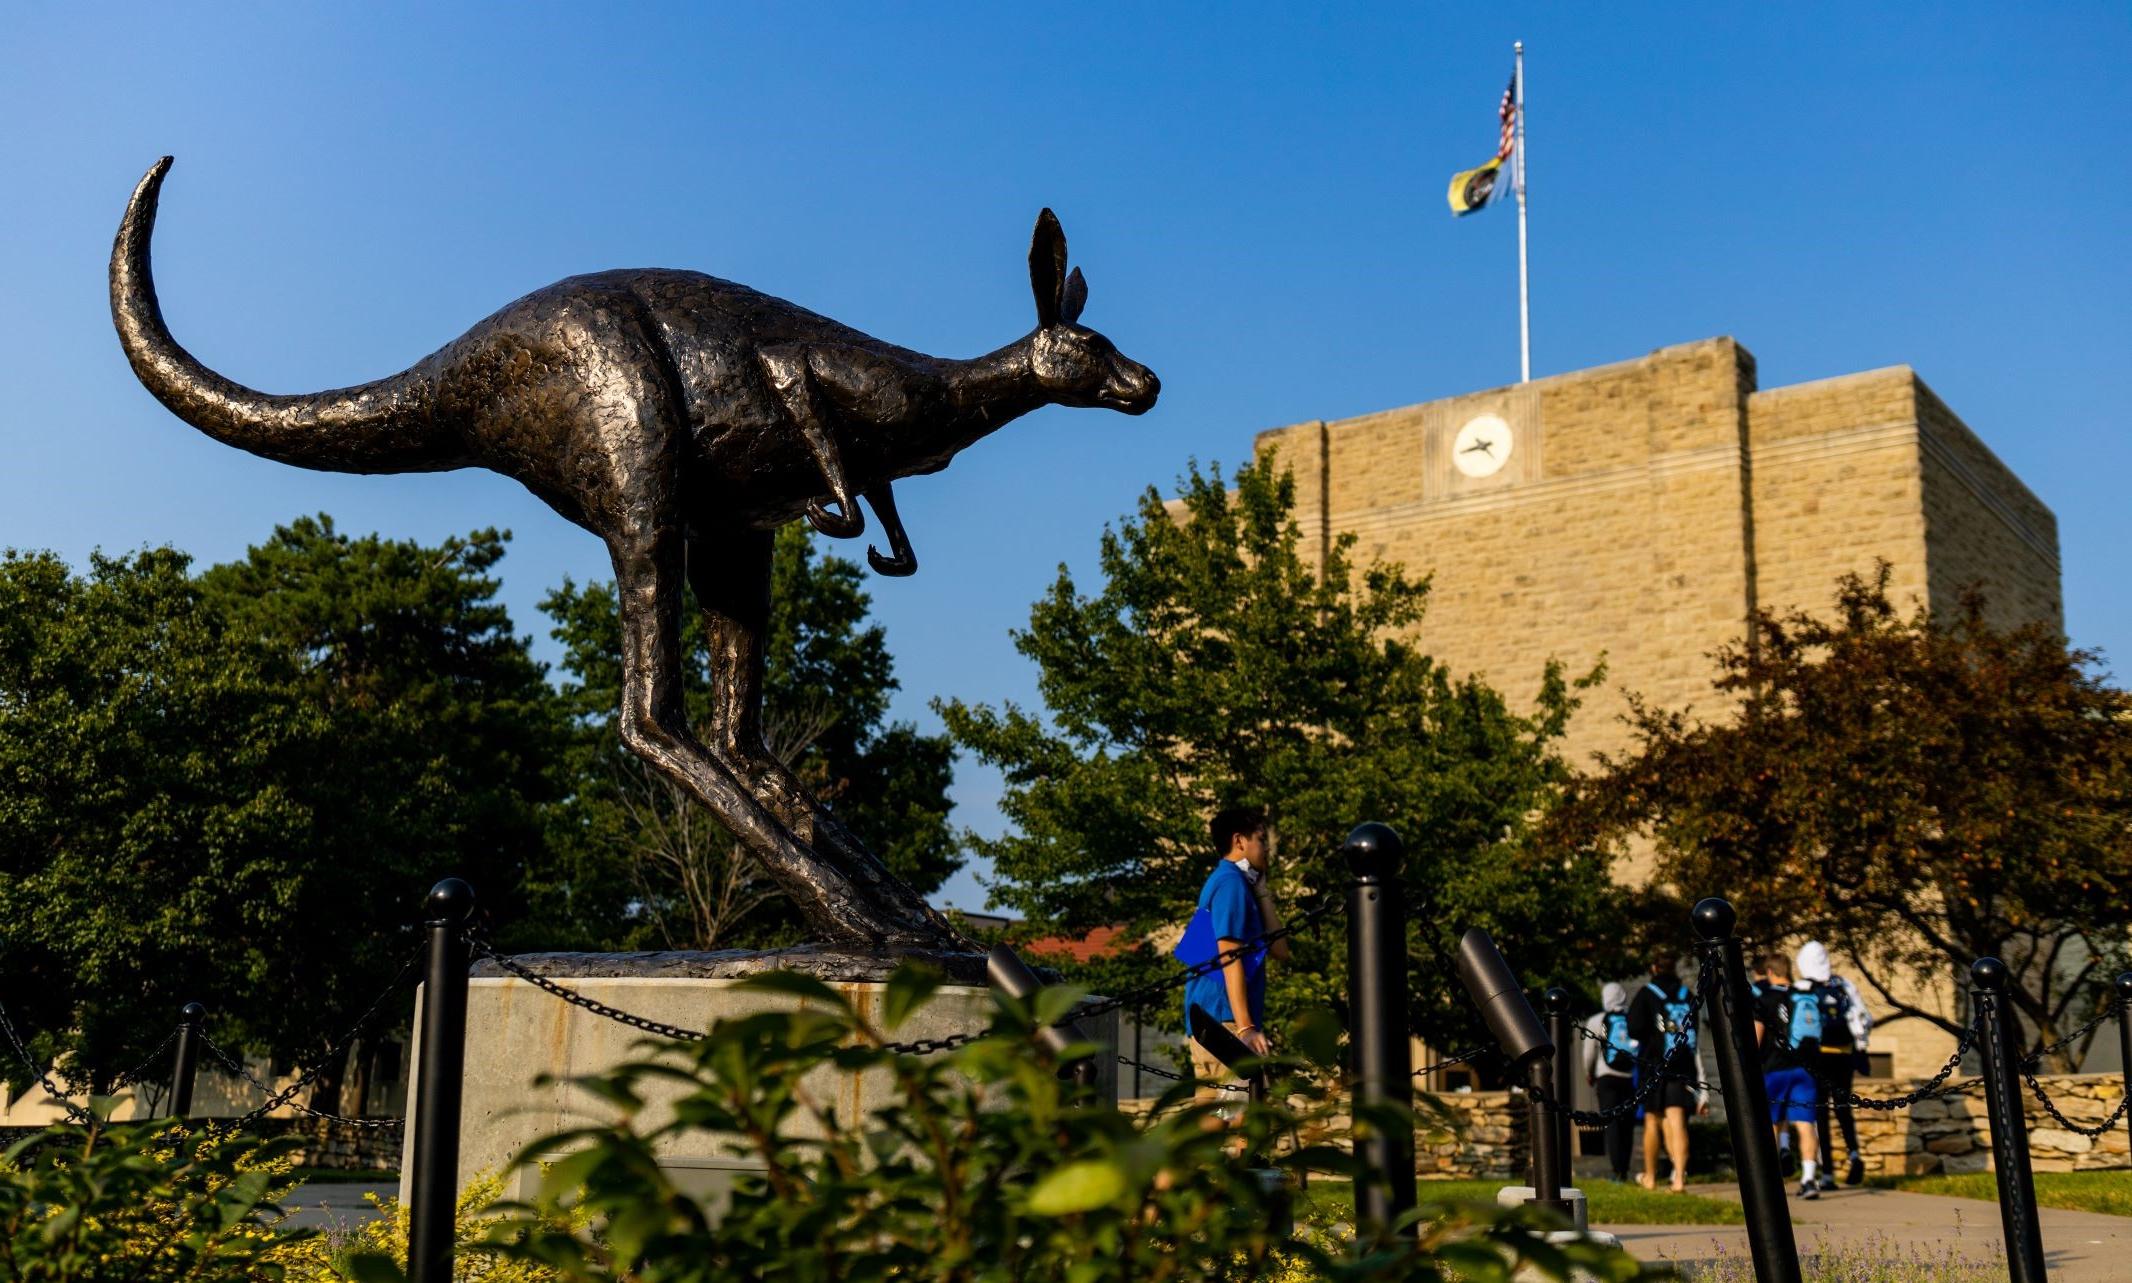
column 1835, row 1003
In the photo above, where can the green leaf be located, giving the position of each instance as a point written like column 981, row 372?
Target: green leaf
column 1078, row 1187
column 1317, row 1032
column 795, row 985
column 908, row 989
column 1054, row 1003
column 569, row 1174
column 370, row 1267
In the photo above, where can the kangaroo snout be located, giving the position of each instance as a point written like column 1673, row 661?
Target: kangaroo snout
column 1134, row 391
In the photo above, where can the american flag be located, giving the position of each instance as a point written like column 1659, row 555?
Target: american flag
column 1509, row 112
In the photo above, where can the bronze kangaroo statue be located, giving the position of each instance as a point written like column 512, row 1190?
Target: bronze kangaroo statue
column 682, row 419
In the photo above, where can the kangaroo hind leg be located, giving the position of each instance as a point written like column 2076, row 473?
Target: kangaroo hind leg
column 730, row 572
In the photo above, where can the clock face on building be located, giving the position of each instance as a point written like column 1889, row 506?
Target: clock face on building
column 1482, row 447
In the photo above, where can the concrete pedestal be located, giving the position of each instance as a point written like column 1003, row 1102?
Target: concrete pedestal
column 517, row 1032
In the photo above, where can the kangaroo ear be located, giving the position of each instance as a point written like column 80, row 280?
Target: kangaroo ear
column 1047, row 267
column 1074, row 297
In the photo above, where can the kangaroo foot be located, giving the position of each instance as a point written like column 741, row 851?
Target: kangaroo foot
column 847, row 524
column 901, row 561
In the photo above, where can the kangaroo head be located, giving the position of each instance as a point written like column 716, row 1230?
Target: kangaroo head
column 1073, row 364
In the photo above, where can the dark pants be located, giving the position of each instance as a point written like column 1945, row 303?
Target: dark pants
column 1836, row 1071
column 1621, row 1132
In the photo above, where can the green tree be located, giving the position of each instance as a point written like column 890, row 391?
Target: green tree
column 146, row 820
column 1217, row 667
column 1915, row 791
column 675, row 878
column 235, row 787
column 441, row 757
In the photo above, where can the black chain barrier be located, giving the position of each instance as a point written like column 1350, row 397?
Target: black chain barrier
column 1931, row 1090
column 141, row 1073
column 332, row 1056
column 1468, row 1056
column 2032, row 1063
column 2051, row 1107
column 1683, row 1038
column 1175, row 1077
column 75, row 1113
column 1715, row 1090
column 2107, row 1013
column 236, row 1068
column 1134, row 999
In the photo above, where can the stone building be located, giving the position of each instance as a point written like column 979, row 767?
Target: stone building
column 1639, row 512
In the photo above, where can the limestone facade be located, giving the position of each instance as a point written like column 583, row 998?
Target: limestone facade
column 1637, row 513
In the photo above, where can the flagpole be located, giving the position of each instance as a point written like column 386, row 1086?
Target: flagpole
column 1518, row 175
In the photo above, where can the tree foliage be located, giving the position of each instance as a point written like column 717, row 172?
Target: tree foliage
column 685, row 882
column 235, row 787
column 1215, row 666
column 1917, row 792
column 977, row 1166
column 146, row 818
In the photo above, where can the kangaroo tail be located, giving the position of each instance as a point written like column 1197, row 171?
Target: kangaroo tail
column 385, row 426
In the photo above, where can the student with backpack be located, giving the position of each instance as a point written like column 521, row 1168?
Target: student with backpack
column 1665, row 1041
column 1846, row 1027
column 1610, row 1068
column 1787, row 1026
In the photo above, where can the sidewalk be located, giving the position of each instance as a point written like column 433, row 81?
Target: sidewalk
column 337, row 1206
column 2079, row 1247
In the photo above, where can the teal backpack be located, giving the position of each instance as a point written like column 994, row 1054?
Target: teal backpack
column 1805, row 1019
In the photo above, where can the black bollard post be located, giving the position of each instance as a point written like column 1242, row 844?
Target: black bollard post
column 1384, row 1068
column 1730, row 1019
column 2124, row 1038
column 1999, row 1038
column 188, row 1058
column 1561, row 1030
column 440, row 1080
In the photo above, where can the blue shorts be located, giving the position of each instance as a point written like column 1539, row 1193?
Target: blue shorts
column 1794, row 1096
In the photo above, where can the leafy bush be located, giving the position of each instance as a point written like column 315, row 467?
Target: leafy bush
column 143, row 1203
column 383, row 1240
column 984, row 1167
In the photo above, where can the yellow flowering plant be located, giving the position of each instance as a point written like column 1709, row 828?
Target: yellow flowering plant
column 381, row 1241
column 159, row 1202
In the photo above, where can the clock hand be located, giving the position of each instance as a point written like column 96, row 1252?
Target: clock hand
column 1483, row 445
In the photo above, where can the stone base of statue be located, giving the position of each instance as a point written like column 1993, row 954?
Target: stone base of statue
column 516, row 1032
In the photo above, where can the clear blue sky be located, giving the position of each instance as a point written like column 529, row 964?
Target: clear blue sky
column 1256, row 194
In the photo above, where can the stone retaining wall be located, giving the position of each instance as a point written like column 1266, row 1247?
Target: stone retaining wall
column 1953, row 1134
column 1488, row 1142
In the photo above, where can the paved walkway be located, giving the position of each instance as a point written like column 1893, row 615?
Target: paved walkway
column 2079, row 1247
column 337, row 1205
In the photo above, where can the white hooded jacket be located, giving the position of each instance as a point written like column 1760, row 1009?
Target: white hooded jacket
column 1811, row 963
column 1614, row 998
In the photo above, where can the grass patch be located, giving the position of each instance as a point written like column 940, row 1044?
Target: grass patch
column 343, row 1175
column 2107, row 1192
column 1609, row 1203
column 1873, row 1261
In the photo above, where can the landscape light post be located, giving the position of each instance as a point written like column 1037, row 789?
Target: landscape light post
column 1507, row 1012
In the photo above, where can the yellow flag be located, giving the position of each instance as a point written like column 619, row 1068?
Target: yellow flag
column 1473, row 188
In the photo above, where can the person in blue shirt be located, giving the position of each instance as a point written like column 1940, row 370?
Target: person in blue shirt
column 1238, row 902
